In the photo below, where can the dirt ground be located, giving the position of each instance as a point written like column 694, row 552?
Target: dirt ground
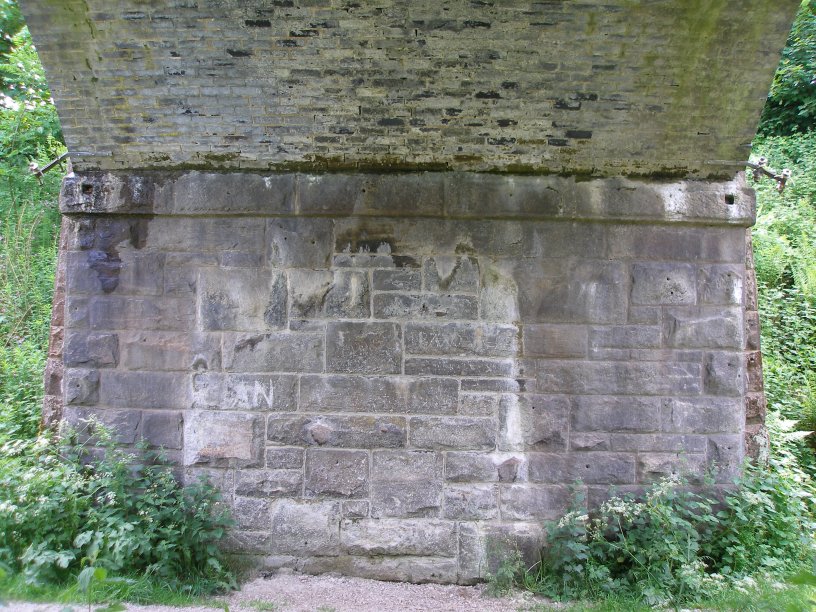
column 299, row 593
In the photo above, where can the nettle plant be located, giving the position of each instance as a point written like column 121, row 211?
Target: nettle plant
column 64, row 505
column 675, row 545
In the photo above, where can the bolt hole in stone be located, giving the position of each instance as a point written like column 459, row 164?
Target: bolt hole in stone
column 729, row 199
column 87, row 188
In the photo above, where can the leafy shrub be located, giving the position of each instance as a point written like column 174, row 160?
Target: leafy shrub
column 61, row 504
column 674, row 545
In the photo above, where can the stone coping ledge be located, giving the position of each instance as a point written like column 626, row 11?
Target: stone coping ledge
column 450, row 195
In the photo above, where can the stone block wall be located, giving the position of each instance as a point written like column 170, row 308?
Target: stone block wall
column 393, row 375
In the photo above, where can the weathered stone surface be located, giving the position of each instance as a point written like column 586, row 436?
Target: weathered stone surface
column 306, row 528
column 167, row 351
column 725, row 454
column 394, row 537
column 656, row 466
column 163, row 429
column 477, row 404
column 244, row 391
column 459, row 367
column 378, row 394
column 454, row 274
column 720, row 285
column 336, row 473
column 252, row 513
column 673, row 443
column 90, row 350
column 223, row 439
column 619, row 378
column 424, row 306
column 242, row 300
column 703, row 328
column 723, row 373
column 369, row 348
column 284, row 458
column 555, row 340
column 533, row 422
column 397, row 280
column 461, row 339
column 329, row 294
column 144, row 389
column 663, row 284
column 471, row 467
column 406, row 483
column 140, row 313
column 81, row 387
column 471, row 503
column 616, row 414
column 268, row 483
column 126, row 272
column 403, row 568
column 337, row 431
column 275, row 352
column 353, row 509
column 452, row 433
column 528, row 502
column 588, row 467
column 124, row 424
column 703, row 415
column 299, row 242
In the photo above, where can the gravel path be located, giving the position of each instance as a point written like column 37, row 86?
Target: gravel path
column 299, row 593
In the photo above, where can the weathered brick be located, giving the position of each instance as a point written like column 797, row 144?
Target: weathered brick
column 370, row 348
column 336, row 473
column 378, row 394
column 337, row 431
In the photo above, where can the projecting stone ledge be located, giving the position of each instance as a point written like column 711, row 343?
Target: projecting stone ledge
column 456, row 195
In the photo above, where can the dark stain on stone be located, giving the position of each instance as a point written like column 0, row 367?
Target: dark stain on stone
column 557, row 142
column 580, row 134
column 239, row 53
column 303, row 33
column 138, row 232
column 258, row 23
column 391, row 121
column 488, row 95
column 506, row 122
column 249, row 343
column 107, row 265
column 476, row 24
column 405, row 261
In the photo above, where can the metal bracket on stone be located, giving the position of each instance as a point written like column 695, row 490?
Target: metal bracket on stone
column 760, row 168
column 38, row 172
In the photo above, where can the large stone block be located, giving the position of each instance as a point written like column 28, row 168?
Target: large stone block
column 163, row 429
column 719, row 284
column 391, row 537
column 305, row 528
column 471, row 503
column 724, row 373
column 446, row 366
column 705, row 328
column 616, row 414
column 378, row 394
column 406, row 483
column 451, row 274
column 555, row 340
column 461, row 339
column 588, row 467
column 404, row 279
column 337, row 431
column 619, row 378
column 90, row 350
column 654, row 284
column 167, row 351
column 329, row 294
column 369, row 348
column 274, row 352
column 534, row 502
column 168, row 390
column 652, row 467
column 223, row 439
column 533, row 422
column 424, row 306
column 212, row 390
column 241, row 300
column 703, row 415
column 336, row 473
column 81, row 387
column 268, row 483
column 452, row 433
column 140, row 313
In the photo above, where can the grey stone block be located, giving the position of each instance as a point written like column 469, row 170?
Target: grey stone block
column 619, row 378
column 181, row 271
column 405, row 194
column 461, row 339
column 483, row 548
column 555, row 340
column 675, row 243
column 616, row 414
column 275, row 352
column 77, row 311
column 90, row 349
column 163, row 429
column 452, row 433
column 284, row 458
column 378, row 394
column 141, row 313
column 123, row 424
column 337, row 431
column 454, row 274
column 223, row 439
column 299, row 242
column 705, row 328
column 370, row 348
column 269, row 483
column 725, row 454
column 389, row 466
column 81, row 387
column 471, row 467
column 392, row 537
column 404, row 279
column 161, row 390
column 202, row 192
column 167, row 351
column 471, row 503
column 588, row 441
column 556, row 291
column 306, row 528
column 252, row 513
column 529, row 502
column 406, row 499
column 652, row 467
column 424, row 306
column 209, row 234
column 125, row 271
column 242, row 300
column 244, row 391
column 663, row 284
column 477, row 404
column 673, row 443
column 336, row 473
column 703, row 415
column 533, row 422
column 626, row 336
column 724, row 374
column 588, row 467
column 720, row 285
column 447, row 366
column 329, row 294
column 355, row 509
